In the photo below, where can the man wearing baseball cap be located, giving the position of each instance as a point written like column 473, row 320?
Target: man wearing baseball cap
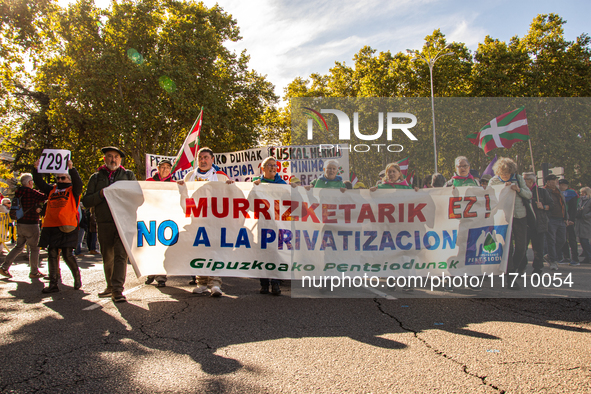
column 112, row 249
column 163, row 174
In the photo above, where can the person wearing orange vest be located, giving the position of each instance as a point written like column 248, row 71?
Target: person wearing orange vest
column 60, row 226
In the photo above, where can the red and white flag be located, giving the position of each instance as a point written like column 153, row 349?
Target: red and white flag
column 410, row 178
column 503, row 131
column 186, row 156
column 354, row 178
column 403, row 166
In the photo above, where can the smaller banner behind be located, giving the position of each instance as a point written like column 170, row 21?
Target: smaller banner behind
column 304, row 162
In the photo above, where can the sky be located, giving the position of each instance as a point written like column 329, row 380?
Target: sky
column 287, row 38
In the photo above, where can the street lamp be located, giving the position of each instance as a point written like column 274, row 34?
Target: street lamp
column 431, row 62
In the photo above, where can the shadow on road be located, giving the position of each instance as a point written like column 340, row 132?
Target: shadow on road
column 79, row 346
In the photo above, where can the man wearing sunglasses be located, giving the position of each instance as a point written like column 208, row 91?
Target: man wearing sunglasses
column 60, row 225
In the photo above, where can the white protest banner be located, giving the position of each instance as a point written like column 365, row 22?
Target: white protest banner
column 240, row 166
column 306, row 162
column 245, row 230
column 243, row 165
column 54, row 161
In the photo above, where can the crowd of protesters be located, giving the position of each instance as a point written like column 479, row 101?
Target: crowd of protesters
column 551, row 217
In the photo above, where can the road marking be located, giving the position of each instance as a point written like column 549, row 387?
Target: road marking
column 381, row 294
column 105, row 300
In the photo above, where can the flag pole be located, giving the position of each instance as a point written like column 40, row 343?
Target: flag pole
column 199, row 118
column 531, row 154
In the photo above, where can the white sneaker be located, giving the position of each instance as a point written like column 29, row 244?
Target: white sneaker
column 216, row 291
column 554, row 266
column 200, row 289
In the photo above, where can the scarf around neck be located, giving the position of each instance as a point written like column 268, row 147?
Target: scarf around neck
column 337, row 178
column 209, row 175
column 513, row 178
column 398, row 182
column 109, row 172
column 456, row 176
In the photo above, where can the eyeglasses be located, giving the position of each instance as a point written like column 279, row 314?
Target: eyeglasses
column 464, row 166
column 61, row 178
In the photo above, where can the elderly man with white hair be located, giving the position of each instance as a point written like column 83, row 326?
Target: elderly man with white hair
column 330, row 179
column 5, row 207
column 27, row 227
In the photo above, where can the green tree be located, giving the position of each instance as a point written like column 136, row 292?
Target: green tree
column 559, row 68
column 540, row 64
column 500, row 69
column 393, row 76
column 135, row 76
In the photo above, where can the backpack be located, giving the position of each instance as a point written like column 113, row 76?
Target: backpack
column 16, row 210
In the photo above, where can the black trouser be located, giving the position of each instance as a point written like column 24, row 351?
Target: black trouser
column 114, row 256
column 571, row 243
column 53, row 264
column 265, row 282
column 518, row 244
column 537, row 244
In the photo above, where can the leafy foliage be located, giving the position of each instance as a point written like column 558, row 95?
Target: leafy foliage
column 134, row 76
column 541, row 64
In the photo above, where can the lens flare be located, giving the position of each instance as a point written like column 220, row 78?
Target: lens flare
column 167, row 84
column 135, row 56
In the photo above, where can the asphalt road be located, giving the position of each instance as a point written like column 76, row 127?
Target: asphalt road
column 170, row 340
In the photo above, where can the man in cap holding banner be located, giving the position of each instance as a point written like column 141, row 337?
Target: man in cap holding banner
column 112, row 249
